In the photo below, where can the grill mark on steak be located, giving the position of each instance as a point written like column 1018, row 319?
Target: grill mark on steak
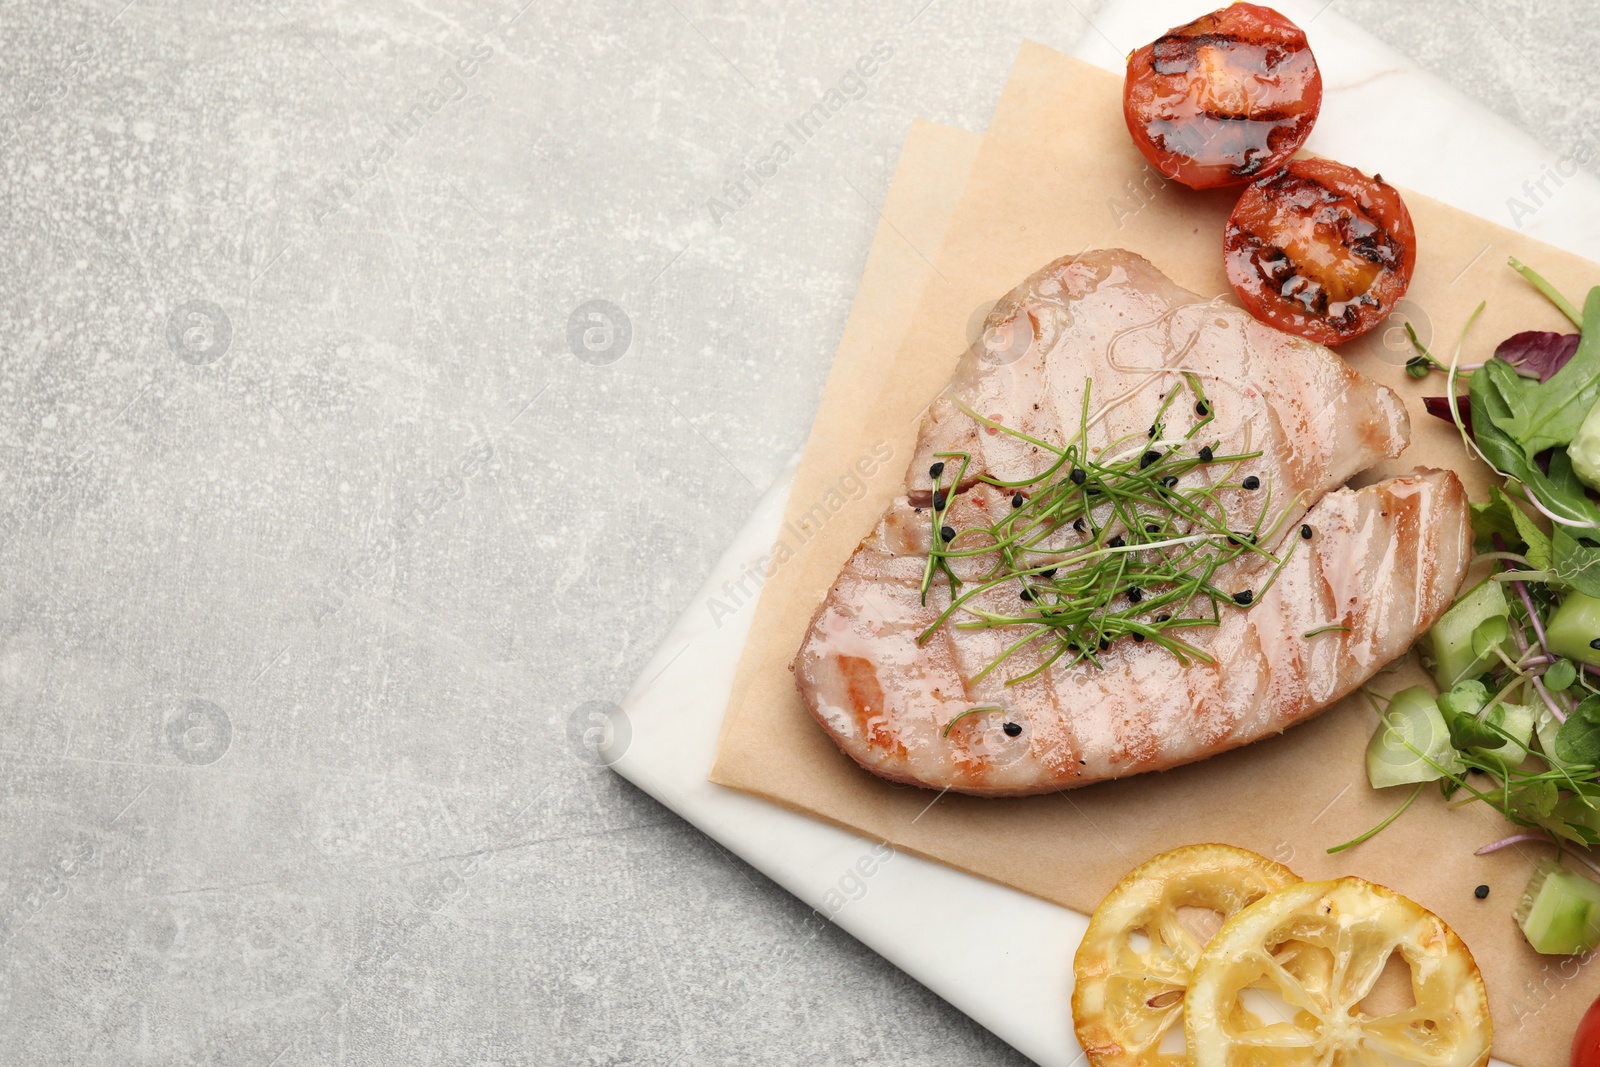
column 885, row 698
column 866, row 702
column 923, row 498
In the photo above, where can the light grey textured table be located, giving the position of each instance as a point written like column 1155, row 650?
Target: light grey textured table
column 315, row 533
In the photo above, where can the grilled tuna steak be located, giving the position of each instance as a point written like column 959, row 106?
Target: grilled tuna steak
column 1123, row 546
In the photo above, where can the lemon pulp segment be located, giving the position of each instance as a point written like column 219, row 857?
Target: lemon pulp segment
column 1282, row 983
column 1133, row 966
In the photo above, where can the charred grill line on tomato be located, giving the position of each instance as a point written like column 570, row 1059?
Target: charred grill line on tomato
column 1217, row 114
column 1242, row 142
column 1176, row 53
column 1223, row 99
column 1320, row 250
column 1257, row 138
column 1363, row 235
column 1311, row 297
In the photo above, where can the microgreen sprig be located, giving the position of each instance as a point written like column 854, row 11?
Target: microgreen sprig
column 1104, row 543
column 1551, row 293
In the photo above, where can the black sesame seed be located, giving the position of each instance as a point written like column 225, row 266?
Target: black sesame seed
column 948, row 533
column 1151, row 527
column 1026, row 594
column 1016, row 500
column 936, row 470
column 1104, row 644
column 1012, row 729
column 1595, row 644
column 1152, row 432
column 939, row 499
column 1135, row 594
column 1116, row 542
column 1078, row 475
column 1206, row 454
column 1138, row 639
column 1048, row 573
column 1170, row 480
column 1163, row 618
column 1252, row 482
column 1305, row 531
column 1148, row 458
column 1072, row 648
column 1200, row 408
column 1243, row 598
column 1481, row 892
column 1077, row 524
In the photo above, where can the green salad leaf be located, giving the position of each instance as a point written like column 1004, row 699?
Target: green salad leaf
column 1577, row 562
column 1539, row 797
column 1489, row 517
column 1578, row 739
column 1539, row 416
column 1511, row 744
column 1486, row 391
column 1560, row 676
column 1502, row 515
column 1469, row 731
column 1573, row 556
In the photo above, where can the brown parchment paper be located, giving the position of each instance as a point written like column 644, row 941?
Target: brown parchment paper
column 1057, row 174
column 927, row 184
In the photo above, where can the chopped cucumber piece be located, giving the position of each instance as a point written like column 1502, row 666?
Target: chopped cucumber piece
column 1575, row 624
column 1584, row 450
column 1463, row 698
column 1546, row 727
column 1486, row 737
column 1579, row 811
column 1560, row 910
column 1462, row 643
column 1516, row 720
column 1411, row 725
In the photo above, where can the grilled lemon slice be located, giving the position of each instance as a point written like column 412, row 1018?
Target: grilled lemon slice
column 1282, row 983
column 1133, row 966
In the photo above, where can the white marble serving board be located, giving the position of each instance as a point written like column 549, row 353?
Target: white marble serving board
column 1015, row 977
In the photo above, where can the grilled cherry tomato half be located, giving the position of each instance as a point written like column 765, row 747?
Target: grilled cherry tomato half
column 1225, row 99
column 1586, row 1042
column 1320, row 250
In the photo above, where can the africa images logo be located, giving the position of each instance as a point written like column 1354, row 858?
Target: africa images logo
column 362, row 574
column 852, row 85
column 852, row 485
column 342, row 187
